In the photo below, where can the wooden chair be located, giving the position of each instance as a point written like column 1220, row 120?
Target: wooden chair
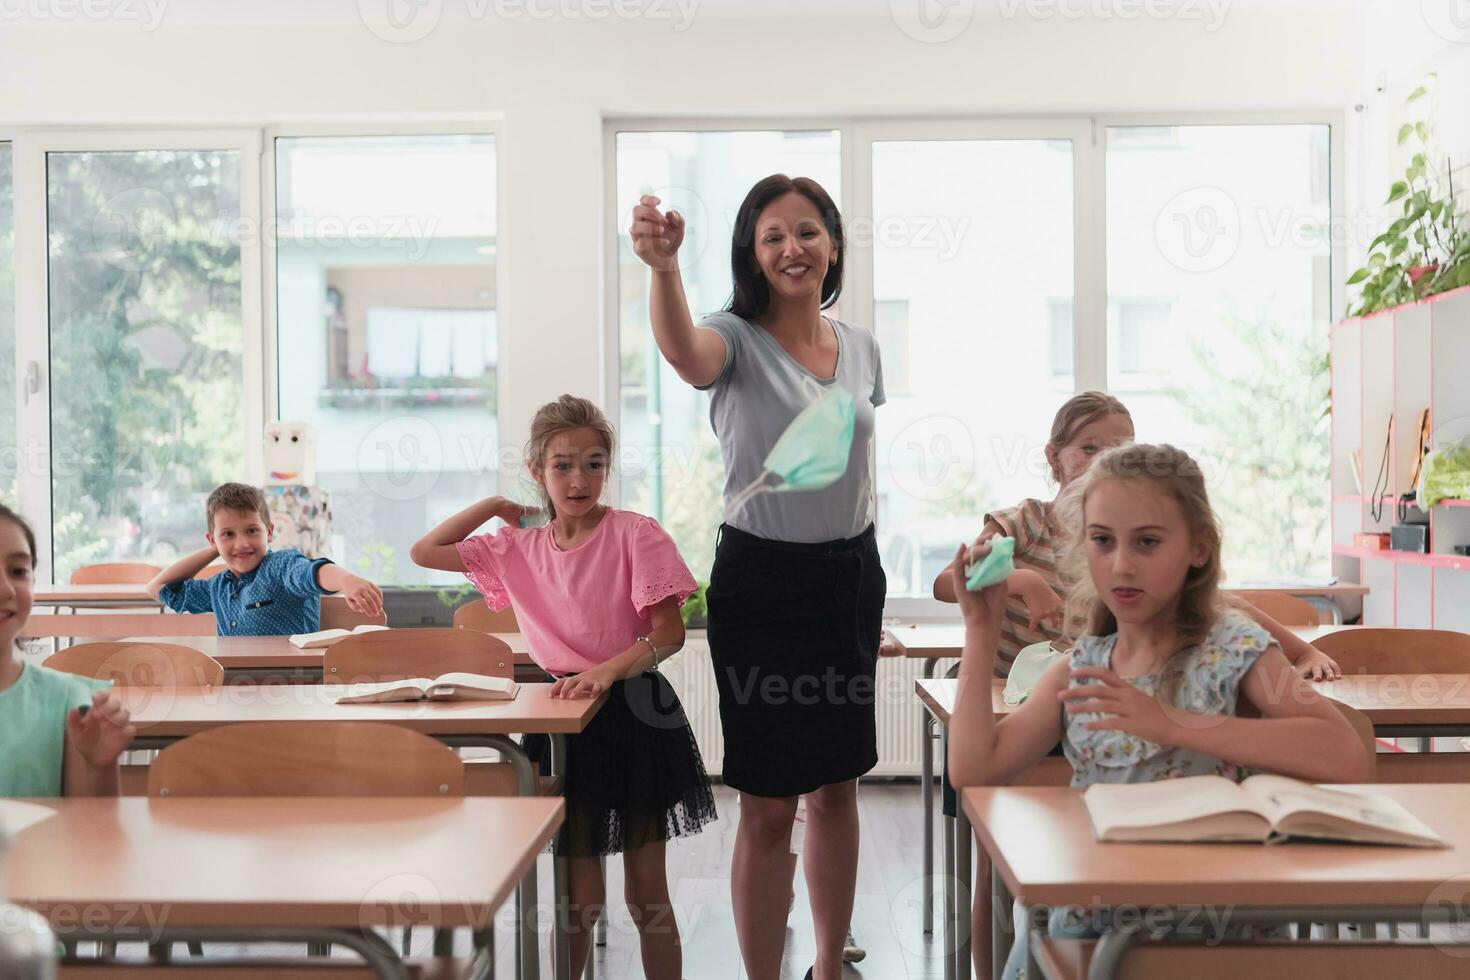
column 210, row 571
column 289, row 758
column 478, row 616
column 390, row 655
column 1286, row 609
column 140, row 664
column 336, row 615
column 115, row 573
column 1398, row 651
column 1071, row 959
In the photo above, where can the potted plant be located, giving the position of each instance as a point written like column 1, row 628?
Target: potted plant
column 1425, row 250
column 694, row 610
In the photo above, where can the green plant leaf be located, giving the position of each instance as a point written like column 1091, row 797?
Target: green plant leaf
column 1404, row 132
column 1377, row 261
column 1401, row 246
column 1422, row 130
column 1398, row 190
column 1359, row 276
column 1418, row 93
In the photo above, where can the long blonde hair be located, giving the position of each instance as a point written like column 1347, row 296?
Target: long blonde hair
column 1077, row 411
column 563, row 415
column 1176, row 474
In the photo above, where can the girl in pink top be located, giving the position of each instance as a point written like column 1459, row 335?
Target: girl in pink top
column 597, row 593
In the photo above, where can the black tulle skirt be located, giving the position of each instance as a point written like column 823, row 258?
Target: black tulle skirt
column 634, row 776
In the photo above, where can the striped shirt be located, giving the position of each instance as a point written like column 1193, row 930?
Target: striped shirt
column 1039, row 544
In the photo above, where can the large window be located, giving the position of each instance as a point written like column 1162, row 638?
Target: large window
column 144, row 284
column 670, row 462
column 972, row 241
column 387, row 332
column 1219, row 278
column 8, row 441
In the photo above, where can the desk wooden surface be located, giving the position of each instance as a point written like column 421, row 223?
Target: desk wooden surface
column 276, row 652
column 1387, row 699
column 946, row 640
column 278, row 862
column 171, row 713
column 64, row 594
column 1041, row 840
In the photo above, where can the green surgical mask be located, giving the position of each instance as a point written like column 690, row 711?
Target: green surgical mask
column 813, row 452
column 994, row 567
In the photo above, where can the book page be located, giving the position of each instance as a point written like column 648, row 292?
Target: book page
column 17, row 815
column 368, row 628
column 1303, row 808
column 413, row 689
column 1168, row 801
column 473, row 687
column 320, row 638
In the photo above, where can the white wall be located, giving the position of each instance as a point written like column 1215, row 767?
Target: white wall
column 553, row 83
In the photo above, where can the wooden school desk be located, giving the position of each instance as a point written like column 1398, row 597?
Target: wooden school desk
column 257, row 870
column 65, row 596
column 164, row 715
column 1042, row 851
column 275, row 657
column 932, row 643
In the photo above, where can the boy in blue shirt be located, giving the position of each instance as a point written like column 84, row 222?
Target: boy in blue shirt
column 260, row 592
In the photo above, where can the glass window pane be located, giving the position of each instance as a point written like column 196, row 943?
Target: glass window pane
column 670, row 462
column 387, row 333
column 1219, row 283
column 8, row 432
column 144, row 276
column 975, row 238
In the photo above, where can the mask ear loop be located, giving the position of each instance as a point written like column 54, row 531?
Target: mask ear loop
column 757, row 487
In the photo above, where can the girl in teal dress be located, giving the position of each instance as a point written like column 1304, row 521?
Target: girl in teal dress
column 1151, row 691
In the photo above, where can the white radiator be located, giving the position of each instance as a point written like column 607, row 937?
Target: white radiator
column 899, row 711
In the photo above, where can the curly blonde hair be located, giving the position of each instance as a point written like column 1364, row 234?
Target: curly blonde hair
column 1173, row 472
column 563, row 415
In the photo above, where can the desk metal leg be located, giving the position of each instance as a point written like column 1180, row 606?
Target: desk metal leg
column 561, row 936
column 375, row 951
column 1109, row 952
column 1000, row 923
column 960, row 925
column 948, row 945
column 926, row 790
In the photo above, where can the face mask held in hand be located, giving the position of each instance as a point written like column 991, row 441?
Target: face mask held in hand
column 812, row 453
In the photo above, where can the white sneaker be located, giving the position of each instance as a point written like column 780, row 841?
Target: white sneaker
column 851, row 951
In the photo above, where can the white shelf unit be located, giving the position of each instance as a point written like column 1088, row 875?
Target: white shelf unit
column 1394, row 364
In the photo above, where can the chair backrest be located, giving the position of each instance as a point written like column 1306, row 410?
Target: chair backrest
column 336, row 615
column 1364, row 729
column 390, row 655
column 140, row 664
column 117, row 626
column 293, row 758
column 210, row 571
column 1397, row 651
column 478, row 616
column 115, row 573
column 1286, row 609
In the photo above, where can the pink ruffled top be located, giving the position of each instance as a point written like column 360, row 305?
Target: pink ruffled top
column 582, row 607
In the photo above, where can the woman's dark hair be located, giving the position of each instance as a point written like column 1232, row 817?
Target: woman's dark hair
column 6, row 514
column 751, row 294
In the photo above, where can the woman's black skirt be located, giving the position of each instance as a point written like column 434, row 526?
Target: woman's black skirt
column 793, row 634
column 634, row 776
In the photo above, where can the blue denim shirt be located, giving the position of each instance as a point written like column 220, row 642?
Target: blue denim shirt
column 280, row 597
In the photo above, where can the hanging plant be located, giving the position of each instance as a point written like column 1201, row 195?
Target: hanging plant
column 1424, row 251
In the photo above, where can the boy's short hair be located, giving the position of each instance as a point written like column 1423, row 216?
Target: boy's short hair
column 236, row 496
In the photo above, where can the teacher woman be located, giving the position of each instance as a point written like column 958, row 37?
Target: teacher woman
column 796, row 593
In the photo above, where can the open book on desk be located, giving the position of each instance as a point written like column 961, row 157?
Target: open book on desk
column 445, row 687
column 1266, row 809
column 325, row 638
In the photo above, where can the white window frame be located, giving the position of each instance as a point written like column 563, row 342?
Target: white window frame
column 1090, row 281
column 32, row 306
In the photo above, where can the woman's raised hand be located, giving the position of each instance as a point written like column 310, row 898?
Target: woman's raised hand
column 656, row 235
